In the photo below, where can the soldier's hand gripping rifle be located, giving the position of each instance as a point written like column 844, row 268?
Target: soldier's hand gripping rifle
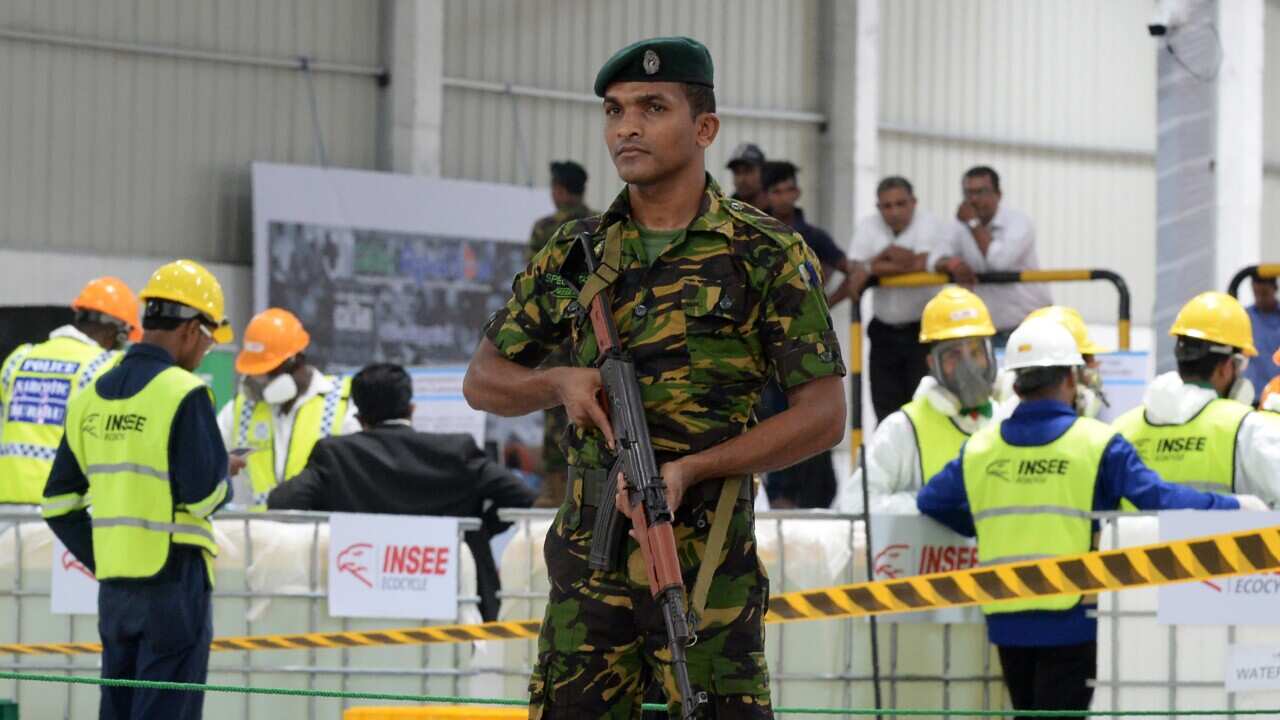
column 645, row 492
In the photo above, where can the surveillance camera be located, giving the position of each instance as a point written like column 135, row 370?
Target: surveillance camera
column 1168, row 14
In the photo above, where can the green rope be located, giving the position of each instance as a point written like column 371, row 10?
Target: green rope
column 396, row 697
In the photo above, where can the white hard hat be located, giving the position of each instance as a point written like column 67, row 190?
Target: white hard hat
column 1041, row 342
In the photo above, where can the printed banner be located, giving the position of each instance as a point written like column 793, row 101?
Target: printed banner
column 1253, row 667
column 1243, row 600
column 393, row 566
column 73, row 590
column 907, row 545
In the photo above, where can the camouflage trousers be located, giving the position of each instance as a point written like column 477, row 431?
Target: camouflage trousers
column 603, row 637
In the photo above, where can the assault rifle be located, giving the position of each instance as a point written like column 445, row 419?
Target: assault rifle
column 646, row 493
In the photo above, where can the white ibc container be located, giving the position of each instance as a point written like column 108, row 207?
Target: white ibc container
column 284, row 558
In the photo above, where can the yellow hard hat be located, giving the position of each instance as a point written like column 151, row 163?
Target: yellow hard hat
column 955, row 313
column 1070, row 319
column 187, row 282
column 272, row 337
column 1217, row 318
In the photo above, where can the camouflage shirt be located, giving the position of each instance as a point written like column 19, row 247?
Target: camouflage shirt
column 545, row 228
column 735, row 301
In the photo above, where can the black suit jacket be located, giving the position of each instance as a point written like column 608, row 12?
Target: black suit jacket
column 396, row 470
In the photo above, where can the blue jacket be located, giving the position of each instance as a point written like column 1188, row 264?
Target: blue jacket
column 1121, row 474
column 197, row 457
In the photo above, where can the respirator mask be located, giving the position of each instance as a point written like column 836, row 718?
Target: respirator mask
column 966, row 367
column 277, row 388
column 1089, row 396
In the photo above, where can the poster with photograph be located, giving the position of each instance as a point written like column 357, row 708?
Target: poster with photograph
column 381, row 267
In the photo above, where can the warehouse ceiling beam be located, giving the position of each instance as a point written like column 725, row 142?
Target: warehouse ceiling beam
column 796, row 116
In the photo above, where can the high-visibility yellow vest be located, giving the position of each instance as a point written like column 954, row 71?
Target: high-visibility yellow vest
column 938, row 438
column 122, row 446
column 319, row 417
column 1034, row 502
column 36, row 384
column 1200, row 453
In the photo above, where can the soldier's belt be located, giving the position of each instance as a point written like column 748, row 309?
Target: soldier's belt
column 1179, row 561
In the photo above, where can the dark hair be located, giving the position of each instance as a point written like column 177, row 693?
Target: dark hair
column 159, row 322
column 895, row 181
column 1265, row 280
column 702, row 99
column 381, row 392
column 569, row 175
column 1032, row 383
column 986, row 171
column 1197, row 358
column 95, row 320
column 777, row 171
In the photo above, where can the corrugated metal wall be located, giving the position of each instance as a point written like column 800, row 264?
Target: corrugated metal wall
column 1044, row 89
column 120, row 153
column 1271, row 137
column 765, row 56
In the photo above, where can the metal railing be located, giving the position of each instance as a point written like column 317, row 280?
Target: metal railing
column 959, row 676
column 923, row 279
column 956, row 680
column 1255, row 272
column 234, row 595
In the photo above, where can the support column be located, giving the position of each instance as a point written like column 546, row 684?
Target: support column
column 1208, row 154
column 414, row 113
column 1240, row 152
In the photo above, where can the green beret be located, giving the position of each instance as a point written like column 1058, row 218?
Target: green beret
column 664, row 59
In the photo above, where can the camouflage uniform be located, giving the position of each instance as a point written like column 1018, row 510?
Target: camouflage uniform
column 554, row 420
column 734, row 301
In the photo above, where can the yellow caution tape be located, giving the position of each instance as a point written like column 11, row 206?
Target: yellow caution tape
column 1202, row 558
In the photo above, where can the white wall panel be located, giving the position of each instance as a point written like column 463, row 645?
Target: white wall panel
column 1271, row 136
column 765, row 55
column 1088, row 213
column 124, row 153
column 1051, row 76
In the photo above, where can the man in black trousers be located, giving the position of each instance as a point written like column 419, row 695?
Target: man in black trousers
column 392, row 469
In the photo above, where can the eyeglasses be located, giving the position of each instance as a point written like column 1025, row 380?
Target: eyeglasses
column 207, row 332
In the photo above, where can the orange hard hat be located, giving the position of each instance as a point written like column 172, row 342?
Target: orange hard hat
column 273, row 336
column 111, row 297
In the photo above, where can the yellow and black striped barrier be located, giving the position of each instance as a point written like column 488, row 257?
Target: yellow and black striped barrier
column 1202, row 558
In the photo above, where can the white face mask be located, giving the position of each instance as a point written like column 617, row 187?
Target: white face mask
column 280, row 390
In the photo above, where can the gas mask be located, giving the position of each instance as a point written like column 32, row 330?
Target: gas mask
column 966, row 367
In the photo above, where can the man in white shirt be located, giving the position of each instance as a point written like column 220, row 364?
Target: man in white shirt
column 986, row 237
column 899, row 238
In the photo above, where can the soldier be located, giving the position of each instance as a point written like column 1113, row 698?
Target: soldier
column 568, row 183
column 711, row 297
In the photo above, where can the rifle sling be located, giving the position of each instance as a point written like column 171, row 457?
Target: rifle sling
column 729, row 491
column 607, row 270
